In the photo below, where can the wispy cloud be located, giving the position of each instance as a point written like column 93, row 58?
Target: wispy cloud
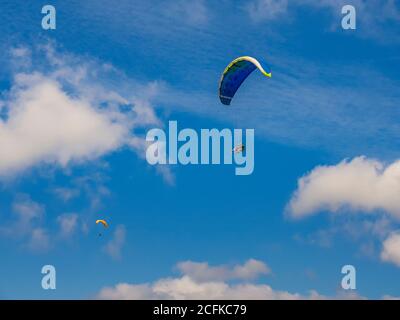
column 194, row 12
column 374, row 16
column 391, row 249
column 39, row 240
column 68, row 223
column 66, row 194
column 266, row 10
column 26, row 224
column 114, row 246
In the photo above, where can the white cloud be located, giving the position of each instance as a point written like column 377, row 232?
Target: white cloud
column 391, row 249
column 114, row 246
column 125, row 291
column 200, row 281
column 211, row 284
column 201, row 271
column 390, row 297
column 45, row 124
column 360, row 184
column 68, row 223
column 187, row 289
column 67, row 110
column 260, row 10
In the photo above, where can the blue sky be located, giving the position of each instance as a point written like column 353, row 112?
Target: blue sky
column 77, row 101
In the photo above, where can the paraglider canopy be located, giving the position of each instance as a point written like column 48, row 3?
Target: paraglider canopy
column 234, row 75
column 103, row 222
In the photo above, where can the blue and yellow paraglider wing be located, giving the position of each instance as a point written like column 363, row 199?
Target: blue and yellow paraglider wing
column 234, row 75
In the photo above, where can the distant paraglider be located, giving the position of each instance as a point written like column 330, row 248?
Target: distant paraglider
column 234, row 75
column 103, row 222
column 239, row 148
